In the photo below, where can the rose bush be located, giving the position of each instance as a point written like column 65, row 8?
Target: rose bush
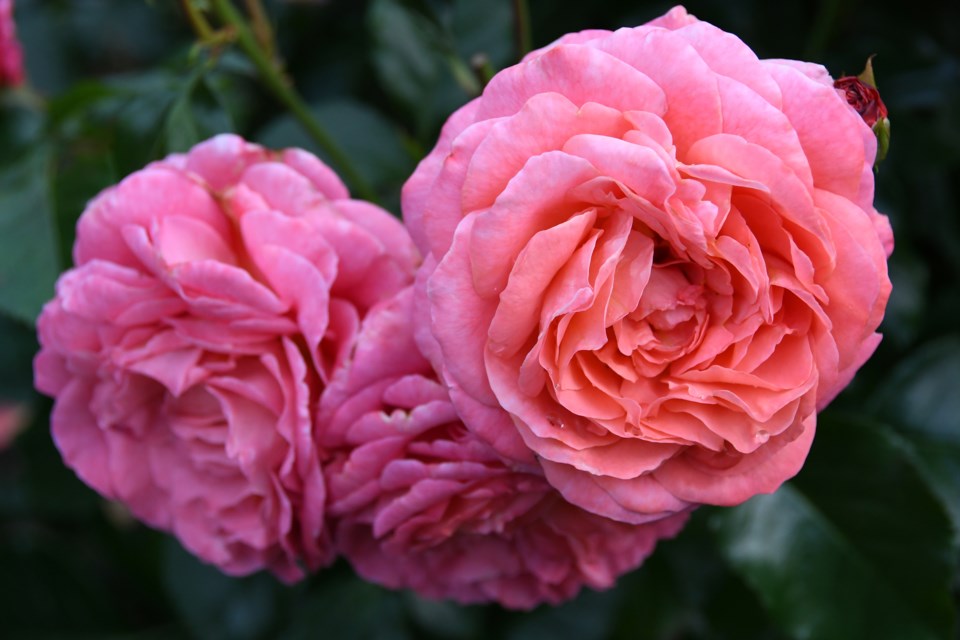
column 650, row 259
column 213, row 296
column 419, row 501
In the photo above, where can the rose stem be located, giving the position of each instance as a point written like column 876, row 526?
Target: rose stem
column 521, row 27
column 283, row 91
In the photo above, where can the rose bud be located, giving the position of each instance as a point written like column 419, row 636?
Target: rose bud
column 861, row 93
column 862, row 97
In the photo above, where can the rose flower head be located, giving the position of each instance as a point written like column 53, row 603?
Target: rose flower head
column 420, row 502
column 650, row 259
column 11, row 54
column 213, row 295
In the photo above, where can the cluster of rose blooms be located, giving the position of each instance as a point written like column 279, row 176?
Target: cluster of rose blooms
column 629, row 275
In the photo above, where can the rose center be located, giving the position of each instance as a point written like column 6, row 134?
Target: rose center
column 668, row 319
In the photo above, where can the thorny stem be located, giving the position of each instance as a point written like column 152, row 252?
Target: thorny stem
column 261, row 27
column 282, row 89
column 197, row 20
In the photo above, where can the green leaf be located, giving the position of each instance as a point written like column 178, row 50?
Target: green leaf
column 862, row 477
column 856, row 547
column 405, row 46
column 123, row 118
column 483, row 28
column 180, row 127
column 78, row 100
column 417, row 65
column 443, row 618
column 921, row 398
column 21, row 126
column 214, row 605
column 587, row 617
column 133, row 119
column 686, row 590
column 28, row 247
column 228, row 94
column 921, row 394
column 196, row 114
column 339, row 605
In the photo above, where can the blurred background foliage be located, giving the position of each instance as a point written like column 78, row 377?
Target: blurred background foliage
column 863, row 543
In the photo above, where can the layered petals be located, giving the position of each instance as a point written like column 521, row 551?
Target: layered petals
column 419, row 501
column 214, row 295
column 654, row 257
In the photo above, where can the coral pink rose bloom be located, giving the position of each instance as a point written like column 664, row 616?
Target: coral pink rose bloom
column 418, row 501
column 213, row 295
column 651, row 258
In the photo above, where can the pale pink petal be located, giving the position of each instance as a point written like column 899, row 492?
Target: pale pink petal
column 140, row 199
column 558, row 70
column 281, row 188
column 678, row 71
column 762, row 472
column 635, row 501
column 322, row 176
column 222, row 160
column 499, row 234
column 460, row 318
column 417, row 193
column 839, row 146
column 544, row 123
column 674, row 19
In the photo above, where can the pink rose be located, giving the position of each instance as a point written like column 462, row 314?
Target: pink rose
column 11, row 55
column 418, row 501
column 214, row 294
column 650, row 259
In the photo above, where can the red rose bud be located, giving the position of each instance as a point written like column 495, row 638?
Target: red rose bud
column 861, row 94
column 862, row 97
